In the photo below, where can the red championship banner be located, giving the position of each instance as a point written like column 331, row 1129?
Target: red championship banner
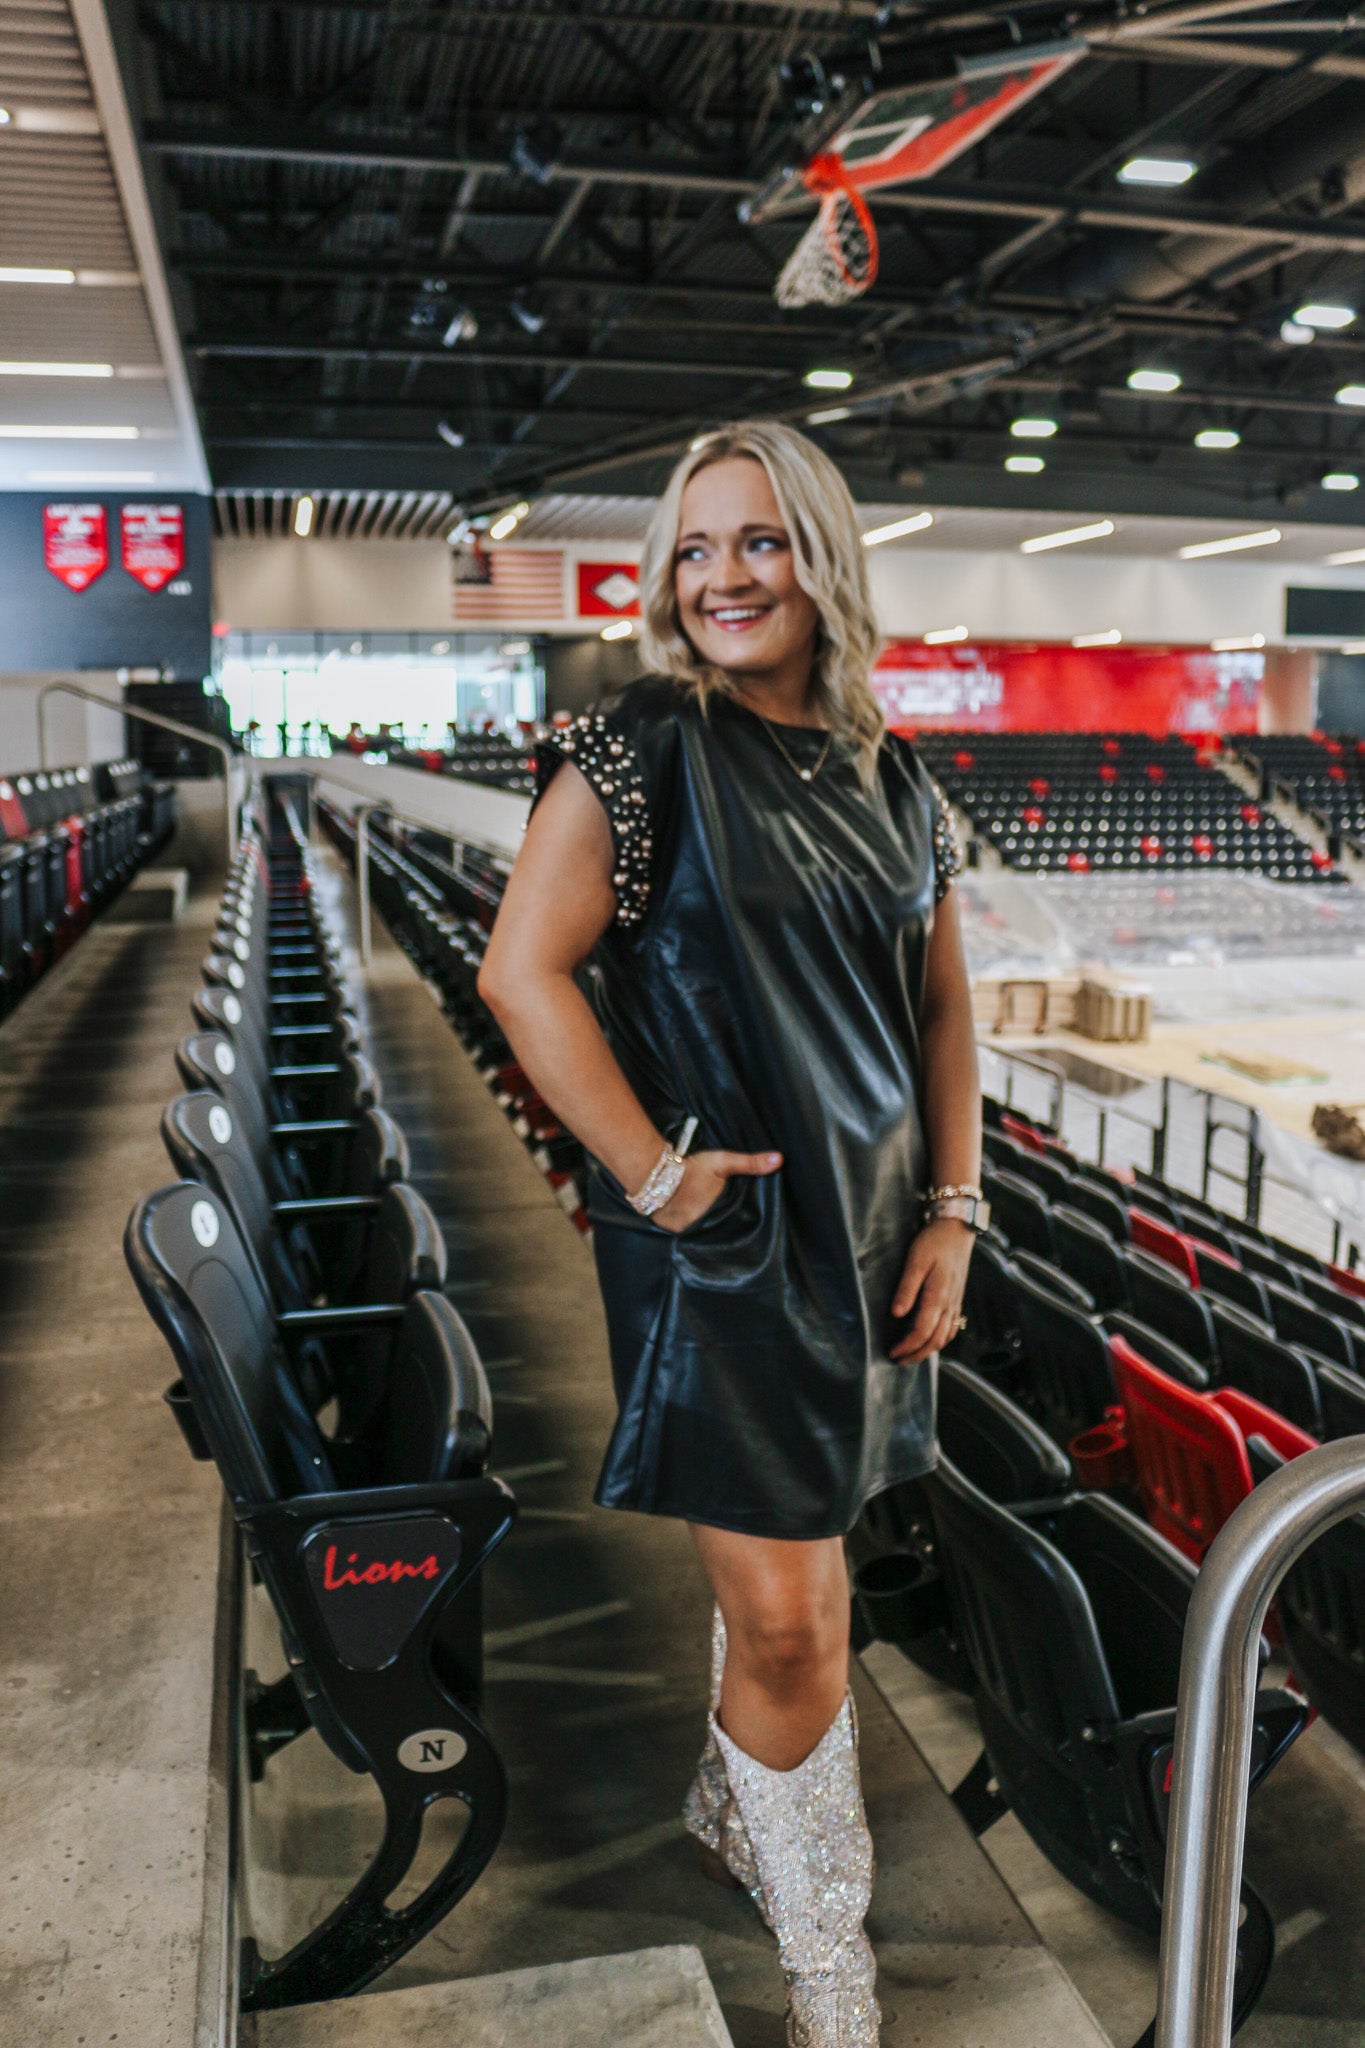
column 75, row 543
column 153, row 543
column 1012, row 686
column 608, row 590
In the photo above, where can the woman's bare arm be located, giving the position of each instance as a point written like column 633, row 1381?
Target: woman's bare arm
column 558, row 903
column 936, row 1270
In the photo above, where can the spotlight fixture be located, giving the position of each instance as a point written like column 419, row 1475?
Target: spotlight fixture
column 943, row 635
column 1235, row 544
column 508, row 521
column 1245, row 643
column 1067, row 538
column 303, row 517
column 1217, row 437
column 524, row 315
column 619, row 629
column 452, row 436
column 898, row 528
column 1110, row 639
column 1340, row 480
column 463, row 327
column 1295, row 333
column 1351, row 394
column 829, row 380
column 1024, row 465
column 1033, row 430
column 1351, row 556
column 829, row 415
column 1153, row 380
column 1327, row 317
column 1156, row 170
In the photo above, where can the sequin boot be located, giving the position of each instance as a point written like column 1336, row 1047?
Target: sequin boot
column 813, row 1854
column 710, row 1813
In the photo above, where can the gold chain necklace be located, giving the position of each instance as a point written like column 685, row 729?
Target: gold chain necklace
column 806, row 774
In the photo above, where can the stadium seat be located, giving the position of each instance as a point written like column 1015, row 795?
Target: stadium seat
column 1321, row 1609
column 1166, row 1303
column 1232, row 1283
column 1020, row 1210
column 1300, row 1321
column 1342, row 1395
column 1067, row 1379
column 1158, row 1350
column 1087, row 1252
column 1103, row 1204
column 1253, row 1358
column 1161, row 1240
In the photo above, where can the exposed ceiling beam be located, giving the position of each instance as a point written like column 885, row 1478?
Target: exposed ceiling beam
column 1239, row 55
column 506, row 359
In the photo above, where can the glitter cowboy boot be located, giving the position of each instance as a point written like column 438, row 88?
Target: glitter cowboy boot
column 710, row 1813
column 810, row 1841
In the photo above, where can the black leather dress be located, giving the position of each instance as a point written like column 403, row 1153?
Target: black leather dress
column 764, row 972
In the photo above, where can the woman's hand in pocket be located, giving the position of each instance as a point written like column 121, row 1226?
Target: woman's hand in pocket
column 703, row 1182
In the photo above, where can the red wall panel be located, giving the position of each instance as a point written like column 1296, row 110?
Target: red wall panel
column 1006, row 686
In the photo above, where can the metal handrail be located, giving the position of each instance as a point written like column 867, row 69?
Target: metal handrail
column 159, row 718
column 1219, row 1667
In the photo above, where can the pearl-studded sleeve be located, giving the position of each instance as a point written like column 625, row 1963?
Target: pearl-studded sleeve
column 602, row 751
column 947, row 858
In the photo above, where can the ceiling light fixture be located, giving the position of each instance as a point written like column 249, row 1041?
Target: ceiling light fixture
column 1110, row 639
column 464, row 327
column 5, row 117
column 1067, row 538
column 1156, row 170
column 26, row 432
column 829, row 416
column 23, row 273
column 1233, row 545
column 512, row 648
column 1295, row 334
column 1351, row 555
column 303, row 517
column 1245, row 643
column 1154, row 380
column 1340, row 480
column 1351, row 394
column 943, row 635
column 1320, row 316
column 1024, row 465
column 56, row 369
column 829, row 380
column 508, row 521
column 915, row 523
column 619, row 629
column 1353, row 647
column 452, row 436
column 1033, row 430
column 1217, row 437
column 115, row 478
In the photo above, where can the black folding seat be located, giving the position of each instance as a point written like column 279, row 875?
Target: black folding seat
column 1162, row 1300
column 1020, row 1211
column 1051, row 1277
column 373, row 1573
column 1298, row 1321
column 1087, row 1252
column 1071, row 1614
column 1199, row 1219
column 206, row 1059
column 1253, row 1358
column 1159, row 1350
column 1342, row 1394
column 1102, row 1203
column 1048, row 1175
column 1257, row 1256
column 1232, row 1283
column 1151, row 1194
column 300, row 1157
column 1067, row 1379
column 218, row 1008
column 990, row 1342
column 1331, row 1299
column 1321, row 1606
column 1001, row 1149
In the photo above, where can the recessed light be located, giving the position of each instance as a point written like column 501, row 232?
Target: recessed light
column 1330, row 317
column 829, row 380
column 1343, row 561
column 829, row 416
column 303, row 517
column 1024, row 465
column 1156, row 170
column 1245, row 643
column 619, row 629
column 1067, row 537
column 1351, row 394
column 1233, row 545
column 1154, row 380
column 1033, row 430
column 1110, row 639
column 56, row 369
column 31, row 433
column 1340, row 480
column 1217, row 437
column 916, row 523
column 23, row 273
column 1295, row 333
column 941, row 635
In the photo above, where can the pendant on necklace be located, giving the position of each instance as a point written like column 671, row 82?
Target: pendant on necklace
column 804, row 774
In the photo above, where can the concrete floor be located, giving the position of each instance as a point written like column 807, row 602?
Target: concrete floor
column 110, row 1531
column 598, row 1628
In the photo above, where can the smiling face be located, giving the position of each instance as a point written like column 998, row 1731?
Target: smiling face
column 739, row 602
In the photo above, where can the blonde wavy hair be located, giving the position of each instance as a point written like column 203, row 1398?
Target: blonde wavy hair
column 830, row 563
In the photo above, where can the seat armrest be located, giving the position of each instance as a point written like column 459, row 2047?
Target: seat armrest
column 318, row 1208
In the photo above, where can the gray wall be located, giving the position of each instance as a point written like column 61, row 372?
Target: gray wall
column 578, row 672
column 1341, row 693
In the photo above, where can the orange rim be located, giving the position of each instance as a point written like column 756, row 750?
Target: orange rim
column 827, row 177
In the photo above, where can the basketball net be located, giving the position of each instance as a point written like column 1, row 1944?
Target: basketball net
column 836, row 258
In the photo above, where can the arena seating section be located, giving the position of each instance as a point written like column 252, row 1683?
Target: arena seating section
column 70, row 838
column 1096, row 802
column 1323, row 775
column 494, row 759
column 297, row 1278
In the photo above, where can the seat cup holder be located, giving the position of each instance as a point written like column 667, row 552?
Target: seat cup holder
column 1102, row 1456
column 900, row 1595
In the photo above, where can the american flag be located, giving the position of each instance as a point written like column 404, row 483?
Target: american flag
column 526, row 583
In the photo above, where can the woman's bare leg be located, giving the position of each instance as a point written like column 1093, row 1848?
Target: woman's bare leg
column 786, row 1616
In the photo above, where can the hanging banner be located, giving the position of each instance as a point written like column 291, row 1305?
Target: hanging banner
column 608, row 590
column 153, row 543
column 75, row 544
column 1010, row 686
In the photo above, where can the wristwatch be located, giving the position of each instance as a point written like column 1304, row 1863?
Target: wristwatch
column 958, row 1205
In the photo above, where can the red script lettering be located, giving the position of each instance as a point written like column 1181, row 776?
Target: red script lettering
column 376, row 1574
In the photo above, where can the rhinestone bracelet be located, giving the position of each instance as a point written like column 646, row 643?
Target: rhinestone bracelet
column 666, row 1177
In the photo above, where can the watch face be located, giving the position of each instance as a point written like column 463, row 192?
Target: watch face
column 981, row 1219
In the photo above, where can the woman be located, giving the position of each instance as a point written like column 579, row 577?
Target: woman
column 776, row 1080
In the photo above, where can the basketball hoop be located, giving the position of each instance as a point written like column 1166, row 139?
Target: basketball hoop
column 836, row 259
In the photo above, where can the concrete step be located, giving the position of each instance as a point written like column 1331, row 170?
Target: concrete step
column 650, row 1998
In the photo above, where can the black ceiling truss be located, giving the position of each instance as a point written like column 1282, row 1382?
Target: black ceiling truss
column 520, row 223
